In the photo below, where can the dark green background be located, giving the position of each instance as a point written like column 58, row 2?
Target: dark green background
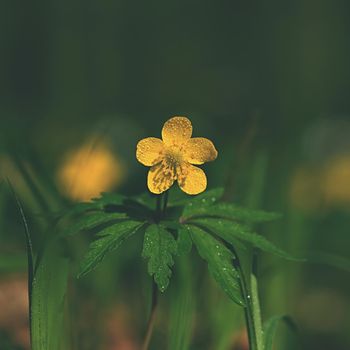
column 253, row 76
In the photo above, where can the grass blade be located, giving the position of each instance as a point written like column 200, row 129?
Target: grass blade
column 270, row 329
column 48, row 299
column 29, row 246
column 182, row 307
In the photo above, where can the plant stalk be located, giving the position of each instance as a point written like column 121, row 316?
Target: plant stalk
column 152, row 317
column 162, row 201
column 252, row 309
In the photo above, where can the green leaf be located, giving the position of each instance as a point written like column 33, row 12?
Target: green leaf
column 29, row 245
column 171, row 224
column 159, row 246
column 184, row 241
column 146, row 199
column 204, row 199
column 220, row 262
column 97, row 203
column 91, row 220
column 79, row 208
column 227, row 230
column 178, row 198
column 48, row 299
column 108, row 198
column 233, row 212
column 270, row 329
column 111, row 238
column 28, row 178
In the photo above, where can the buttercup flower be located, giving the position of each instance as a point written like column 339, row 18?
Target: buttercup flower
column 171, row 159
column 89, row 170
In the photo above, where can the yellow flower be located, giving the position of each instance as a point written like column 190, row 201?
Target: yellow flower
column 89, row 170
column 171, row 159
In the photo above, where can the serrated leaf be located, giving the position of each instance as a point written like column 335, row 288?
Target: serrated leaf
column 111, row 238
column 97, row 203
column 227, row 230
column 91, row 220
column 204, row 199
column 146, row 199
column 80, row 208
column 108, row 198
column 270, row 329
column 178, row 198
column 170, row 224
column 159, row 246
column 184, row 241
column 220, row 262
column 233, row 212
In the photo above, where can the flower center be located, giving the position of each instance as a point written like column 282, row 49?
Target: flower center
column 174, row 154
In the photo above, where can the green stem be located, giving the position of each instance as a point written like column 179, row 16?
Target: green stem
column 252, row 309
column 256, row 305
column 159, row 208
column 160, row 212
column 152, row 317
column 248, row 313
column 165, row 203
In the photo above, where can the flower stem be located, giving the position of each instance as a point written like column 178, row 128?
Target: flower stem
column 165, row 202
column 248, row 313
column 162, row 201
column 256, row 312
column 152, row 317
column 252, row 309
column 159, row 208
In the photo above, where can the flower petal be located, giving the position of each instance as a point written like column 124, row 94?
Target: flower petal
column 149, row 151
column 191, row 179
column 199, row 150
column 161, row 177
column 176, row 131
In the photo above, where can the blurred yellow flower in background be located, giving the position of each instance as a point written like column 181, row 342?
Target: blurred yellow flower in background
column 336, row 180
column 325, row 186
column 172, row 157
column 89, row 170
column 305, row 189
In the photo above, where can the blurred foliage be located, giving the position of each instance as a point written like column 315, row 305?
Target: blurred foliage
column 268, row 82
